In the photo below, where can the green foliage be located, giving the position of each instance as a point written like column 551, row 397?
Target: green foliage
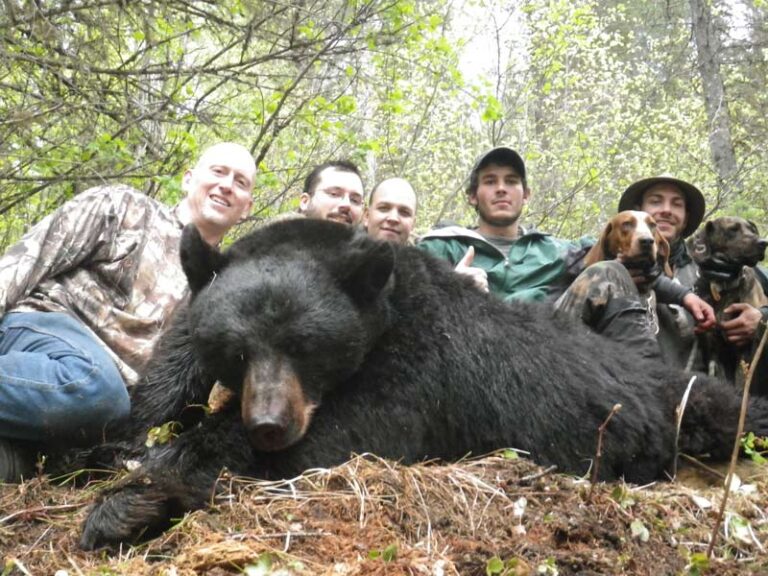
column 510, row 454
column 698, row 564
column 638, row 530
column 511, row 567
column 594, row 93
column 388, row 554
column 755, row 447
column 162, row 434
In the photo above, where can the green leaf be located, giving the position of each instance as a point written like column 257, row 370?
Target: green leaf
column 494, row 566
column 493, row 110
column 698, row 564
column 639, row 531
column 389, row 553
column 162, row 434
column 740, row 529
column 263, row 566
column 346, row 104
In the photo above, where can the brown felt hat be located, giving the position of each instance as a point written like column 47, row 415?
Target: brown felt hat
column 695, row 205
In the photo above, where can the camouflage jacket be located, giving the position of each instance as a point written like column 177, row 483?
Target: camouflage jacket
column 109, row 257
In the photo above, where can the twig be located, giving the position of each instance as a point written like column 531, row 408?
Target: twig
column 699, row 464
column 531, row 477
column 43, row 509
column 679, row 412
column 599, row 452
column 737, row 442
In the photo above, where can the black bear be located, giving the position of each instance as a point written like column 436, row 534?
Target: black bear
column 336, row 343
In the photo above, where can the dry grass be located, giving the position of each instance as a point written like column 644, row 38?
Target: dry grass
column 376, row 517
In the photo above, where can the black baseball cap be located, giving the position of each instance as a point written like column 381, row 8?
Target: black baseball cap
column 501, row 155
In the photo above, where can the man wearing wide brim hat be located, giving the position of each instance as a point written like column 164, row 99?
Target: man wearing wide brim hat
column 678, row 208
column 625, row 303
column 662, row 197
column 647, row 195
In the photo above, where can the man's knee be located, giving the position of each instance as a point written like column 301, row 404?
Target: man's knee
column 99, row 403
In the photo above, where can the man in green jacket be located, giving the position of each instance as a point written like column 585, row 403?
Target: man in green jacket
column 501, row 255
column 504, row 258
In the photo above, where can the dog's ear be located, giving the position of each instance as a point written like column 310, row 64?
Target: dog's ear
column 662, row 253
column 698, row 245
column 601, row 250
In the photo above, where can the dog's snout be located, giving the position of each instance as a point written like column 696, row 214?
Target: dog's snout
column 646, row 243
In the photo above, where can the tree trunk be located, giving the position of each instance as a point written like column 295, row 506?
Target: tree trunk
column 720, row 142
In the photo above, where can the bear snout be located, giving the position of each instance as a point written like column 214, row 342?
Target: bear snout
column 274, row 409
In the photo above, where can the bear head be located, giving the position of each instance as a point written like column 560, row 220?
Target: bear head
column 284, row 316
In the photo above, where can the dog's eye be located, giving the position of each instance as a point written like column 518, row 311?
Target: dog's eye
column 627, row 226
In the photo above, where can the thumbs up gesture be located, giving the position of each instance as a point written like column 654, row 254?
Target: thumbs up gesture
column 478, row 275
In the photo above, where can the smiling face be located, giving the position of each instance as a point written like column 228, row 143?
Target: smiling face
column 666, row 203
column 392, row 212
column 219, row 189
column 499, row 199
column 338, row 196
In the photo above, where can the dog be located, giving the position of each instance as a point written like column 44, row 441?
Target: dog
column 726, row 251
column 631, row 237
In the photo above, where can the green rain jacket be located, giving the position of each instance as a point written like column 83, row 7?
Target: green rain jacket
column 537, row 267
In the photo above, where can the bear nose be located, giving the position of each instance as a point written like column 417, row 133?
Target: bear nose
column 268, row 435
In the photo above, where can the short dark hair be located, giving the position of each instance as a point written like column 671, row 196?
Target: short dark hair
column 310, row 182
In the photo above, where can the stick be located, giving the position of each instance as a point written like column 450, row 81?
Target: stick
column 599, row 453
column 737, row 443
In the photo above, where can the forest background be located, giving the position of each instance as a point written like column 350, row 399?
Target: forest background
column 594, row 93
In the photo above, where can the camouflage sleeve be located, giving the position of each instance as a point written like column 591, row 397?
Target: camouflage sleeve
column 58, row 243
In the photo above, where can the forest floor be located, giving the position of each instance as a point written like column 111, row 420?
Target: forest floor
column 494, row 515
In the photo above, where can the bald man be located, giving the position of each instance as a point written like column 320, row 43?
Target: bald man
column 391, row 211
column 85, row 294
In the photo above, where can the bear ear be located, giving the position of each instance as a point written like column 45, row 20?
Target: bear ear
column 199, row 260
column 367, row 270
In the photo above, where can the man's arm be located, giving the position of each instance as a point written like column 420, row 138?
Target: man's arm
column 60, row 242
column 670, row 292
column 439, row 248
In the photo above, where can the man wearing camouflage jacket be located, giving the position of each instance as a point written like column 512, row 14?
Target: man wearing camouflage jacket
column 85, row 294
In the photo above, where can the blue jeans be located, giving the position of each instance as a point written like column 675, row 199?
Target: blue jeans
column 57, row 383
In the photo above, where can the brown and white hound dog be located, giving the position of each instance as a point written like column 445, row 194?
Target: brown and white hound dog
column 631, row 237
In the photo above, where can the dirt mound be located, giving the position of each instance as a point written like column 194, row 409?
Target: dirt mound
column 495, row 515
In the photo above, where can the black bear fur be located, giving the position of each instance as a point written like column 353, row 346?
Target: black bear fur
column 402, row 358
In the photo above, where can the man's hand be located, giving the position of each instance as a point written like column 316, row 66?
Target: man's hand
column 741, row 329
column 478, row 275
column 702, row 312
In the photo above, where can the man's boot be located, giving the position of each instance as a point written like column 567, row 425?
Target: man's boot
column 15, row 462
